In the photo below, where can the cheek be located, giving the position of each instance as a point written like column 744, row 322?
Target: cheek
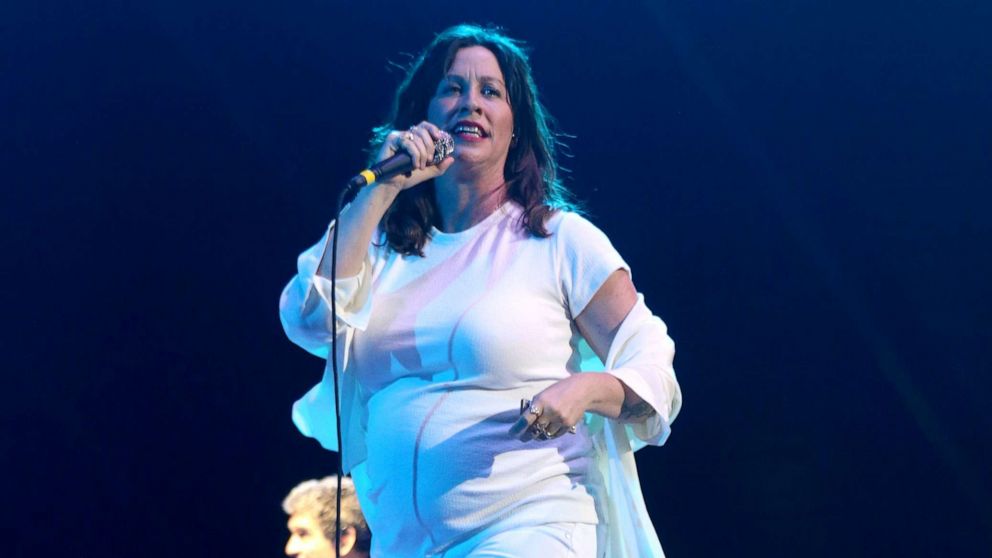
column 436, row 111
column 506, row 118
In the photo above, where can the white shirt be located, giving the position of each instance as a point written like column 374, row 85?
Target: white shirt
column 439, row 352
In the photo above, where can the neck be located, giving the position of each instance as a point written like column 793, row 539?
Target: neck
column 465, row 201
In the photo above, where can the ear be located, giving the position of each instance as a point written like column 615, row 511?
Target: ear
column 348, row 539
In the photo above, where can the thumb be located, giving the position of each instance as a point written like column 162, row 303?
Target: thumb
column 435, row 171
column 445, row 164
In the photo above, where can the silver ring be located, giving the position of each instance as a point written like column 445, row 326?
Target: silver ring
column 562, row 431
column 540, row 431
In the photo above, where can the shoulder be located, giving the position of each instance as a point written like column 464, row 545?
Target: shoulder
column 578, row 242
column 572, row 228
column 584, row 256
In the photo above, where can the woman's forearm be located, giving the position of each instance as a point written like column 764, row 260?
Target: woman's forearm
column 358, row 223
column 610, row 397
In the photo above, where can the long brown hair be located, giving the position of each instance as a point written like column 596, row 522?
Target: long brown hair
column 531, row 171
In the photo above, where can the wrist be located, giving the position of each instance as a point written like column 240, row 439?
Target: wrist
column 383, row 194
column 604, row 393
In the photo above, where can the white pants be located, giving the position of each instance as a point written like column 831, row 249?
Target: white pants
column 552, row 540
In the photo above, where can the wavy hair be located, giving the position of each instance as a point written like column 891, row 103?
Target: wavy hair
column 531, row 170
column 318, row 498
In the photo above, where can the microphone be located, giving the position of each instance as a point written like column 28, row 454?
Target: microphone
column 401, row 163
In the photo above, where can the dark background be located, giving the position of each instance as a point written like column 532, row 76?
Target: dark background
column 801, row 188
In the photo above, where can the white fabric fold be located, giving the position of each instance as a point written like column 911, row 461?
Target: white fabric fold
column 305, row 313
column 640, row 356
column 305, row 304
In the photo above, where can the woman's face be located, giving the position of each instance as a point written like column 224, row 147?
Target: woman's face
column 472, row 104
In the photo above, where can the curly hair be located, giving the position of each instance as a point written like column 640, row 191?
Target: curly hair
column 319, row 499
column 531, row 170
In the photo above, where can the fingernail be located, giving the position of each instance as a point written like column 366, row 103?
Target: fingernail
column 518, row 427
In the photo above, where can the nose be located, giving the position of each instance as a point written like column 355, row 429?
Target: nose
column 470, row 102
column 291, row 545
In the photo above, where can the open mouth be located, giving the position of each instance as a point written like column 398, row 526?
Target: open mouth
column 468, row 130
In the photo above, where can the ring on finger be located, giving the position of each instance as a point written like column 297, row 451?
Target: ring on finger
column 540, row 431
column 530, row 407
column 562, row 431
column 546, row 433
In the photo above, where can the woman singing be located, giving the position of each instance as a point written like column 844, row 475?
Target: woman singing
column 468, row 294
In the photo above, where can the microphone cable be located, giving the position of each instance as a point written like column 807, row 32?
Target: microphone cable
column 334, row 365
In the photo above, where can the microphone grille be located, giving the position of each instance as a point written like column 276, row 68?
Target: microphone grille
column 443, row 147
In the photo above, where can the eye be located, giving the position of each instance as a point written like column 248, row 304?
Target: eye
column 490, row 91
column 450, row 87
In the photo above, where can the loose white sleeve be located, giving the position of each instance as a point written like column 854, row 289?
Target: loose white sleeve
column 305, row 312
column 305, row 304
column 641, row 356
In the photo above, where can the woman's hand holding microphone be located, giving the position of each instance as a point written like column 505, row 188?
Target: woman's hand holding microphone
column 419, row 142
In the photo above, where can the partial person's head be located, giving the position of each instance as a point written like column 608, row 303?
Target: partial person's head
column 505, row 99
column 311, row 507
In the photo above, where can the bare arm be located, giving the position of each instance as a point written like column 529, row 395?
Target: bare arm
column 564, row 403
column 599, row 323
column 360, row 219
column 357, row 222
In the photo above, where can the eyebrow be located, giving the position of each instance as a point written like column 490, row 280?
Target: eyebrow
column 481, row 78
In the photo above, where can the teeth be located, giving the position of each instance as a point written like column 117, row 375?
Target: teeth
column 466, row 129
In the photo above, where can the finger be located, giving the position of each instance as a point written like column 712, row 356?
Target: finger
column 427, row 140
column 434, row 135
column 393, row 143
column 532, row 433
column 549, row 426
column 441, row 135
column 520, row 427
column 534, row 430
column 404, row 141
column 434, row 131
column 442, row 167
column 540, row 431
column 419, row 152
column 555, row 429
column 562, row 429
column 525, row 428
column 525, row 420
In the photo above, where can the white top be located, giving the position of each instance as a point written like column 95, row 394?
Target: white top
column 440, row 350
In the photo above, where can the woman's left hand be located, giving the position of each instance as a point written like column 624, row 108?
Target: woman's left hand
column 557, row 410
